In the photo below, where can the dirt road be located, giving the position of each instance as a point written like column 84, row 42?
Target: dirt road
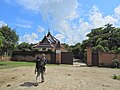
column 60, row 77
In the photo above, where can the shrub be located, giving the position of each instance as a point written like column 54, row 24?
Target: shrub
column 116, row 77
column 115, row 63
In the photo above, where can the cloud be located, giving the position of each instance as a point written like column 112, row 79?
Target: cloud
column 29, row 38
column 97, row 19
column 57, row 13
column 60, row 16
column 23, row 23
column 2, row 23
column 59, row 37
column 47, row 8
column 117, row 10
column 40, row 29
column 24, row 26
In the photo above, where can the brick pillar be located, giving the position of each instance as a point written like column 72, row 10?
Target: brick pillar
column 58, row 56
column 100, row 62
column 89, row 56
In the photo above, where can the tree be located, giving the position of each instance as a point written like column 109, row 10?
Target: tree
column 25, row 46
column 106, row 38
column 10, row 38
column 1, row 40
column 77, row 51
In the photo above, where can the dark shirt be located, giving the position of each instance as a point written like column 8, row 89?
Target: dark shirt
column 40, row 62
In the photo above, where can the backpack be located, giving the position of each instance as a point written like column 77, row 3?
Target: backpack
column 40, row 63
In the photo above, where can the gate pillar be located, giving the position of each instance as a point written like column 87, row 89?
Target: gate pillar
column 89, row 56
column 58, row 56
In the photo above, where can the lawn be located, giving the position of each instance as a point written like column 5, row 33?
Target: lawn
column 12, row 64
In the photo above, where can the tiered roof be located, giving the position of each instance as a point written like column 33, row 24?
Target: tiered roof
column 48, row 41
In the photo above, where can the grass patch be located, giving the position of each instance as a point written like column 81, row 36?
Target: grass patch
column 116, row 77
column 12, row 64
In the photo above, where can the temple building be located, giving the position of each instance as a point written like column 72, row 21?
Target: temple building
column 49, row 42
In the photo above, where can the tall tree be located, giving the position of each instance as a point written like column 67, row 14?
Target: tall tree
column 105, row 38
column 10, row 38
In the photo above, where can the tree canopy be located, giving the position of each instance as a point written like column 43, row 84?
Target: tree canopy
column 10, row 38
column 25, row 46
column 105, row 38
column 1, row 40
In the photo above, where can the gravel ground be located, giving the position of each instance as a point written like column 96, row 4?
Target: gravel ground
column 60, row 77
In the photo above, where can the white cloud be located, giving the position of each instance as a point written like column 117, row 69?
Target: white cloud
column 60, row 37
column 24, row 26
column 97, row 19
column 40, row 29
column 29, row 38
column 59, row 14
column 56, row 8
column 2, row 23
column 23, row 23
column 30, row 4
column 117, row 10
column 56, row 13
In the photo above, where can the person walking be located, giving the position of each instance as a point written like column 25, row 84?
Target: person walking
column 40, row 68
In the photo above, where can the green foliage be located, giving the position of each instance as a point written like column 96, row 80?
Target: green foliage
column 13, row 64
column 24, row 46
column 115, row 63
column 116, row 77
column 118, row 50
column 1, row 39
column 67, row 47
column 77, row 51
column 105, row 38
column 10, row 38
column 99, row 48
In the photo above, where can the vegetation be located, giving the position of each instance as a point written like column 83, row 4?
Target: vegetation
column 25, row 46
column 1, row 40
column 8, row 38
column 115, row 63
column 13, row 64
column 116, row 77
column 105, row 39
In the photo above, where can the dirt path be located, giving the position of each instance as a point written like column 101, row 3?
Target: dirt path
column 60, row 77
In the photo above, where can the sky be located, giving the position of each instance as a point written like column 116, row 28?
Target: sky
column 67, row 20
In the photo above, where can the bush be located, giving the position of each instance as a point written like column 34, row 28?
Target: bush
column 115, row 63
column 116, row 77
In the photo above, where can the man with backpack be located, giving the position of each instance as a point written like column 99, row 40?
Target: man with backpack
column 40, row 67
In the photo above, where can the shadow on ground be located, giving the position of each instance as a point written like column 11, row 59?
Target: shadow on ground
column 28, row 84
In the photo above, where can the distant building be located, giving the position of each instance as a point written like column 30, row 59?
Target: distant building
column 49, row 42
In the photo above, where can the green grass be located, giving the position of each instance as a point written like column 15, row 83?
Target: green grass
column 12, row 64
column 116, row 77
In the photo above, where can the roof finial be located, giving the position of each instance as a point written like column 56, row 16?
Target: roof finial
column 48, row 30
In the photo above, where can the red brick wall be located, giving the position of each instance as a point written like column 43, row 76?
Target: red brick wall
column 5, row 58
column 30, row 58
column 105, row 59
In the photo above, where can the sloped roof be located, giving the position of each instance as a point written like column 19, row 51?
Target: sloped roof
column 48, row 41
